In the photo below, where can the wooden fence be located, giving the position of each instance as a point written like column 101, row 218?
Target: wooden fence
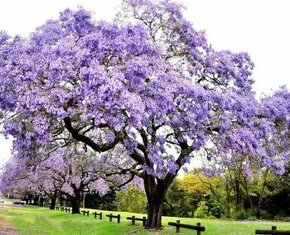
column 98, row 214
column 273, row 231
column 85, row 212
column 67, row 209
column 198, row 228
column 133, row 218
column 118, row 217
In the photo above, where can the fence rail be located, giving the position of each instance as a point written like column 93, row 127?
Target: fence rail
column 273, row 231
column 196, row 227
column 98, row 214
column 85, row 212
column 133, row 218
column 118, row 217
column 67, row 209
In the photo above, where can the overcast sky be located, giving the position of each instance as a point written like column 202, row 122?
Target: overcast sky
column 259, row 27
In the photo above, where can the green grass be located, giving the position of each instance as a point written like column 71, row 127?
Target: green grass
column 31, row 220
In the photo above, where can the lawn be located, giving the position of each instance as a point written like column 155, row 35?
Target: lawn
column 30, row 220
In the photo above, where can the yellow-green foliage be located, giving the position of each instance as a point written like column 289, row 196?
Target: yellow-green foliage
column 131, row 200
column 185, row 194
column 196, row 184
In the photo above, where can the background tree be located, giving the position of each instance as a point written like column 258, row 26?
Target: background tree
column 187, row 194
column 78, row 171
column 17, row 179
column 48, row 187
column 106, row 202
column 131, row 199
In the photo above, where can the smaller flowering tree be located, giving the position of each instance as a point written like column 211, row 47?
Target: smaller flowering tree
column 76, row 170
column 276, row 113
column 49, row 187
column 263, row 141
column 268, row 149
column 18, row 180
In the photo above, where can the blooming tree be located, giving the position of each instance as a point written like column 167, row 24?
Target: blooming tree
column 148, row 82
column 18, row 180
column 271, row 144
column 269, row 148
column 74, row 172
column 48, row 186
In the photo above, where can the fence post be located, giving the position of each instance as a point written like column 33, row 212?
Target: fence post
column 274, row 228
column 111, row 217
column 100, row 215
column 133, row 220
column 198, row 232
column 177, row 225
column 119, row 219
column 144, row 221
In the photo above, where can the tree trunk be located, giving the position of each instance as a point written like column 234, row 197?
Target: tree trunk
column 61, row 201
column 76, row 203
column 154, row 214
column 35, row 200
column 41, row 201
column 228, row 199
column 155, row 192
column 245, row 186
column 237, row 191
column 261, row 194
column 52, row 203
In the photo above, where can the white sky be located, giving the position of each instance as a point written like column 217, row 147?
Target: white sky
column 259, row 27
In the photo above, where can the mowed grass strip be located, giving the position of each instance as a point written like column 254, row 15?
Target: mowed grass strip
column 36, row 220
column 29, row 220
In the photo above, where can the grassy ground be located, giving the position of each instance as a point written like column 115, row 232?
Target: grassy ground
column 30, row 220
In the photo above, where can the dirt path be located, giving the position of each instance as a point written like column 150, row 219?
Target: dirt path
column 6, row 228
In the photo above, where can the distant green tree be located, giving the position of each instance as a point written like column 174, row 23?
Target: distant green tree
column 106, row 202
column 186, row 194
column 131, row 200
column 277, row 203
column 176, row 201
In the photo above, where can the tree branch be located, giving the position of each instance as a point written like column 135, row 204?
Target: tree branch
column 88, row 141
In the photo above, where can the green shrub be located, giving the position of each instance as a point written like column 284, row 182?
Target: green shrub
column 215, row 208
column 265, row 215
column 286, row 219
column 201, row 211
column 252, row 218
column 241, row 214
